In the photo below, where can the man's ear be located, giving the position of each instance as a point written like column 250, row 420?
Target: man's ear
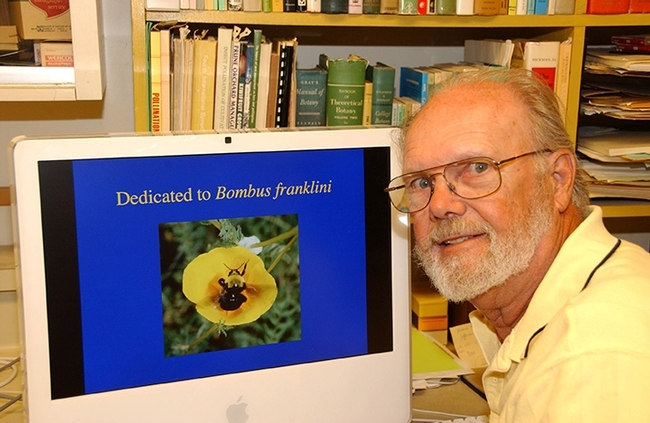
column 563, row 165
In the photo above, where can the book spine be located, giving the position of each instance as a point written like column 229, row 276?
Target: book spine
column 234, row 84
column 301, row 5
column 413, row 84
column 314, row 6
column 289, row 5
column 154, row 81
column 367, row 103
column 370, row 7
column 255, row 77
column 465, row 7
column 383, row 91
column 165, row 80
column 345, row 90
column 389, row 6
column 235, row 5
column 607, row 7
column 252, row 5
column 563, row 73
column 241, row 84
column 311, row 97
column 399, row 113
column 205, row 51
column 537, row 56
column 274, row 74
column 639, row 6
column 541, row 7
column 486, row 7
column 277, row 6
column 334, row 6
column 445, row 7
column 263, row 84
column 407, row 7
column 355, row 7
column 636, row 40
column 284, row 85
column 222, row 84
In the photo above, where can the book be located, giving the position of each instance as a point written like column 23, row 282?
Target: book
column 487, row 7
column 286, row 56
column 345, row 90
column 562, row 7
column 334, row 6
column 205, row 54
column 277, row 6
column 629, row 62
column 399, row 112
column 177, row 76
column 252, row 5
column 154, row 80
column 643, row 40
column 414, row 83
column 427, row 301
column 301, row 5
column 222, row 80
column 255, row 76
column 632, row 48
column 639, row 6
column 466, row 7
column 245, row 71
column 541, row 7
column 314, row 6
column 274, row 73
column 367, row 103
column 407, row 7
column 165, row 80
column 263, row 83
column 411, row 107
column 445, row 7
column 311, row 99
column 389, row 6
column 237, row 76
column 427, row 323
column 493, row 52
column 289, row 5
column 370, row 7
column 607, row 7
column 187, row 80
column 355, row 7
column 383, row 91
column 563, row 74
column 522, row 7
column 540, row 57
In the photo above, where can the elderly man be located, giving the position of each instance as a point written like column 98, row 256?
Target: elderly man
column 501, row 219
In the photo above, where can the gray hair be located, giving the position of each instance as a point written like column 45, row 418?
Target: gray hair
column 546, row 125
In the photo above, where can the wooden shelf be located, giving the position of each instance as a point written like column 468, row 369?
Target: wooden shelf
column 85, row 82
column 398, row 30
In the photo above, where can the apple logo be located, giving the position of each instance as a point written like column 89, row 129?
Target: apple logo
column 236, row 413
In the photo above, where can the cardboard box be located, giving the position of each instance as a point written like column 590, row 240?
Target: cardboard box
column 9, row 40
column 53, row 53
column 41, row 19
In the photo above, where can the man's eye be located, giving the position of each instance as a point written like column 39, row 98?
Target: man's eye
column 479, row 167
column 420, row 183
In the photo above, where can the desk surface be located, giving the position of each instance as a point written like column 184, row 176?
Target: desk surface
column 457, row 399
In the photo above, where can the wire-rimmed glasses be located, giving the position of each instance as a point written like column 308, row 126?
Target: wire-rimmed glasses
column 470, row 179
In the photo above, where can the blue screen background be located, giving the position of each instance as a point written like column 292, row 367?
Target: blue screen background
column 119, row 264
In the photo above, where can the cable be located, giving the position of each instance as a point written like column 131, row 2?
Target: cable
column 5, row 363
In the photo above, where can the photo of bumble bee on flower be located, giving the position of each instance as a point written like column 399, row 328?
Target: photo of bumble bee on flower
column 229, row 283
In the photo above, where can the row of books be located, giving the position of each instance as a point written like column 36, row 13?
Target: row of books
column 239, row 79
column 408, row 7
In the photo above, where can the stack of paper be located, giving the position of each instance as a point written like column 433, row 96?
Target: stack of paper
column 432, row 364
column 618, row 163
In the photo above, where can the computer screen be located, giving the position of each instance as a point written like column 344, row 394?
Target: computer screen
column 217, row 277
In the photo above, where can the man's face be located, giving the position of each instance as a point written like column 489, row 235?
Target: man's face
column 469, row 246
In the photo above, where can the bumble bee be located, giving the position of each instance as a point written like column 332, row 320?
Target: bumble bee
column 231, row 298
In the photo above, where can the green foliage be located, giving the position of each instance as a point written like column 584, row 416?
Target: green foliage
column 186, row 331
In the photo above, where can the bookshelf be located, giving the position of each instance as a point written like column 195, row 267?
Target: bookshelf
column 86, row 81
column 403, row 31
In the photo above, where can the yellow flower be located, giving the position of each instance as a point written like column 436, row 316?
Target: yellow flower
column 229, row 285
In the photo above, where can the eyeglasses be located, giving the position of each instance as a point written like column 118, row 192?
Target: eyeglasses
column 469, row 179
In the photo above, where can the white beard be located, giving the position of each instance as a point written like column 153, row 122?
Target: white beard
column 462, row 278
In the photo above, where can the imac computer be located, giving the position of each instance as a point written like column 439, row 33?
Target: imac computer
column 254, row 277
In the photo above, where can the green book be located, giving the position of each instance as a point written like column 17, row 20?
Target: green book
column 311, row 105
column 383, row 91
column 445, row 7
column 346, row 80
column 370, row 6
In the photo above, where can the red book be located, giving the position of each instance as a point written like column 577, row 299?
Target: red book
column 639, row 6
column 633, row 48
column 632, row 39
column 607, row 7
